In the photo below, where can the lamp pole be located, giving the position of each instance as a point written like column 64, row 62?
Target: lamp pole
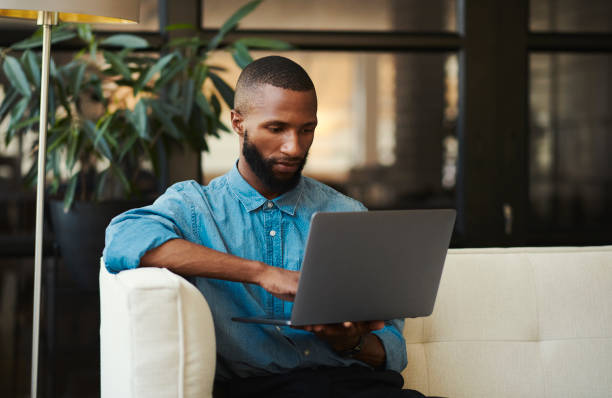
column 46, row 19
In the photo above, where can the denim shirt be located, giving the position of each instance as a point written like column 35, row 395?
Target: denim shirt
column 230, row 216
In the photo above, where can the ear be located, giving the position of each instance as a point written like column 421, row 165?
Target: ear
column 237, row 121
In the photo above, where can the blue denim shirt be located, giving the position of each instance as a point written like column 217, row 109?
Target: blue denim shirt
column 230, row 216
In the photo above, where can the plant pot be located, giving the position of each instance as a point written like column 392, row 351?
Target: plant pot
column 80, row 232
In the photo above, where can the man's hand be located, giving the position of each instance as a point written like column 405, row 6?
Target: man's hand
column 344, row 336
column 279, row 282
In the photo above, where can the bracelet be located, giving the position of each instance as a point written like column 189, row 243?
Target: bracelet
column 350, row 353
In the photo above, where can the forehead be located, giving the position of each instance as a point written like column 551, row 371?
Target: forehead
column 271, row 101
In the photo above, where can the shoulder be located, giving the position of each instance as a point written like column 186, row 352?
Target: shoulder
column 326, row 198
column 191, row 188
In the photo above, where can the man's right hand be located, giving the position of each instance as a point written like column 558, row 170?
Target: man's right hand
column 279, row 282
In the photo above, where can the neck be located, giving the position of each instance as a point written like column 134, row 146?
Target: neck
column 245, row 171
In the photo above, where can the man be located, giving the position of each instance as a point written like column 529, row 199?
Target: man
column 243, row 236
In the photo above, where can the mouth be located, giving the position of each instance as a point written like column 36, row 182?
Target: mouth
column 287, row 167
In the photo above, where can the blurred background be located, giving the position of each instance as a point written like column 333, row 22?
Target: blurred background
column 499, row 109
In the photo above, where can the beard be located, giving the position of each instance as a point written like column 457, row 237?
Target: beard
column 263, row 168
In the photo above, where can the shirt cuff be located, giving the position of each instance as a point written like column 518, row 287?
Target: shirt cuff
column 127, row 242
column 394, row 344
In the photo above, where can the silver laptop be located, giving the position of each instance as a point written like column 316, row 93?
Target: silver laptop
column 363, row 266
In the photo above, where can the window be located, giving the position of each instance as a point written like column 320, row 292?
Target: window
column 337, row 15
column 386, row 132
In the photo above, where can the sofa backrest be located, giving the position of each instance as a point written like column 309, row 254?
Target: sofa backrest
column 521, row 322
column 156, row 336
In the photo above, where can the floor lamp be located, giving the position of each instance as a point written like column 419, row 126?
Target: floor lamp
column 48, row 13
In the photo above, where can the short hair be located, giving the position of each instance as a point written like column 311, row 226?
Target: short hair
column 274, row 70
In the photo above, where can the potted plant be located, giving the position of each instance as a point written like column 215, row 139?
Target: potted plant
column 115, row 108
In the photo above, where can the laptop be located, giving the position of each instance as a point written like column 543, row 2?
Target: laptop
column 365, row 266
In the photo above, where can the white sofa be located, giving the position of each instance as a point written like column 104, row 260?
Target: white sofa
column 520, row 322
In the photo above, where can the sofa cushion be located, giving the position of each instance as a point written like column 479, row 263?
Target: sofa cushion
column 149, row 316
column 517, row 322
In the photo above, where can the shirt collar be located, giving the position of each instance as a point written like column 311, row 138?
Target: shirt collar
column 252, row 200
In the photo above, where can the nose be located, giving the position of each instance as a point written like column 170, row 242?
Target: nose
column 291, row 145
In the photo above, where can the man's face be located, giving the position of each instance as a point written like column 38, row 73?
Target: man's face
column 276, row 133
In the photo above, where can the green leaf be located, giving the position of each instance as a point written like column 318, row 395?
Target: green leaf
column 36, row 41
column 52, row 107
column 52, row 69
column 70, row 190
column 214, row 101
column 124, row 181
column 93, row 49
column 159, row 65
column 174, row 90
column 241, row 55
column 126, row 41
column 9, row 99
column 103, row 125
column 179, row 26
column 165, row 118
column 117, row 65
column 57, row 138
column 30, row 177
column 101, row 182
column 31, row 67
column 78, row 80
column 269, row 44
column 222, row 126
column 202, row 102
column 169, row 74
column 61, row 92
column 102, row 128
column 128, row 146
column 224, row 89
column 138, row 118
column 100, row 143
column 232, row 22
column 76, row 140
column 96, row 83
column 14, row 73
column 200, row 73
column 84, row 32
column 187, row 98
column 17, row 113
column 26, row 123
column 179, row 42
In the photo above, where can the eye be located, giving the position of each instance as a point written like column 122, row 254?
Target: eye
column 275, row 129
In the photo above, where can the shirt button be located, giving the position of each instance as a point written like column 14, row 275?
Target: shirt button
column 306, row 352
column 273, row 233
column 270, row 205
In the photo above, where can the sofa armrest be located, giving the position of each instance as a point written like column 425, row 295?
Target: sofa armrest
column 157, row 336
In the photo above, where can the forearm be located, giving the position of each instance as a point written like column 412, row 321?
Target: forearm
column 187, row 258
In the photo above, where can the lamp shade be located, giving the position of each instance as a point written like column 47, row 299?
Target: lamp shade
column 88, row 11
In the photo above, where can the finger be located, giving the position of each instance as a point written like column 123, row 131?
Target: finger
column 376, row 325
column 347, row 324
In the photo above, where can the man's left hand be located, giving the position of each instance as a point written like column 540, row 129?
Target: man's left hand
column 344, row 336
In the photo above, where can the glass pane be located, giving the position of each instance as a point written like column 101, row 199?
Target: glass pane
column 571, row 141
column 571, row 15
column 361, row 15
column 386, row 132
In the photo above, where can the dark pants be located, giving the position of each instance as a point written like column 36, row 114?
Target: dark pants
column 354, row 381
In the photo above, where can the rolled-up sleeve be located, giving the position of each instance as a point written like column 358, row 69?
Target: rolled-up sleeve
column 394, row 344
column 131, row 234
